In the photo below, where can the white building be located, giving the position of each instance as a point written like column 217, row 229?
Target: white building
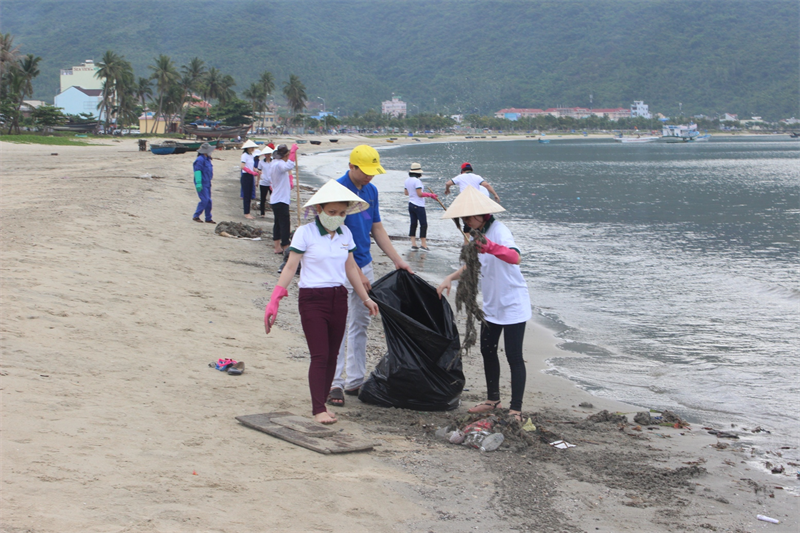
column 77, row 100
column 81, row 76
column 640, row 109
column 394, row 107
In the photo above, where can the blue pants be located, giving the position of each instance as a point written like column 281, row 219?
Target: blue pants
column 248, row 192
column 205, row 202
column 417, row 213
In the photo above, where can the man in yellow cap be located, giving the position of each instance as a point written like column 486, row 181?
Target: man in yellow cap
column 365, row 163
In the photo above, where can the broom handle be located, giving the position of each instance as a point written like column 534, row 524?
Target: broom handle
column 297, row 183
column 455, row 220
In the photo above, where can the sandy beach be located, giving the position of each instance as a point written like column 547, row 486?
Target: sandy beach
column 114, row 302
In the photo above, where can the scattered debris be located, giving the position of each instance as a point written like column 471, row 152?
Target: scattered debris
column 586, row 405
column 643, row 418
column 768, row 519
column 561, row 444
column 722, row 434
column 467, row 292
column 605, row 416
column 238, row 230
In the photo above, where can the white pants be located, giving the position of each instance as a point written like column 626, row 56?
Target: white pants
column 354, row 359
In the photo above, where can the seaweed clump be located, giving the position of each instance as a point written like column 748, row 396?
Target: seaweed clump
column 467, row 291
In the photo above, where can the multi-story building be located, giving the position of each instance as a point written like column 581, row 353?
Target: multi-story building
column 81, row 76
column 640, row 109
column 394, row 107
column 76, row 100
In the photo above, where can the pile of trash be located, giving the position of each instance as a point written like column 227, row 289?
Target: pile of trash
column 479, row 434
column 238, row 230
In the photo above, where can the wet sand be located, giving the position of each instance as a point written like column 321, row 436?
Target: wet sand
column 114, row 302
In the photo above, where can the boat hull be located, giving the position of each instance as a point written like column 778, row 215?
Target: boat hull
column 635, row 139
column 203, row 132
column 162, row 150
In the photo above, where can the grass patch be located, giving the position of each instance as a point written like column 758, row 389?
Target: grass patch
column 43, row 139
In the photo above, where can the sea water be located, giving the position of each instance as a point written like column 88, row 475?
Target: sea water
column 669, row 272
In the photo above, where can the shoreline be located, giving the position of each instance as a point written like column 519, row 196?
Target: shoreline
column 114, row 302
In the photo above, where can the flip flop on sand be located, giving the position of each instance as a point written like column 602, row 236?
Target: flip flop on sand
column 237, row 369
column 353, row 392
column 485, row 407
column 336, row 397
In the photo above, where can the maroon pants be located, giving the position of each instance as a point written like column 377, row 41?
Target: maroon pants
column 323, row 314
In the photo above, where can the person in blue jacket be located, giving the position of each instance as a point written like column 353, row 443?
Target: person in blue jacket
column 203, row 172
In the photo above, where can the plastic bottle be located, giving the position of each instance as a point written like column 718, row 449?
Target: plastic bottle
column 492, row 442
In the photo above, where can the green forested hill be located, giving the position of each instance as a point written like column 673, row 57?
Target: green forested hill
column 713, row 56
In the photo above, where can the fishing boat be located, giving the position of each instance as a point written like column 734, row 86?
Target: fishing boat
column 679, row 133
column 637, row 139
column 316, row 142
column 301, row 141
column 159, row 149
column 795, row 134
column 193, row 147
column 216, row 132
column 334, row 140
column 702, row 138
column 88, row 127
column 544, row 141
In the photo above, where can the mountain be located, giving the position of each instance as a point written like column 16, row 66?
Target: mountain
column 711, row 56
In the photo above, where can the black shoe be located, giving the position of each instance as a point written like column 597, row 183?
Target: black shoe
column 197, row 219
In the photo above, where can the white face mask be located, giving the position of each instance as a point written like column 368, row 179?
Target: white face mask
column 329, row 222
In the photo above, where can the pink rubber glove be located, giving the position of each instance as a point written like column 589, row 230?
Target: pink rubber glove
column 292, row 152
column 271, row 313
column 249, row 171
column 501, row 252
column 429, row 195
column 291, row 181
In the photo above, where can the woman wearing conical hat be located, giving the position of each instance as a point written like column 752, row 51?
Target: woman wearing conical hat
column 249, row 173
column 324, row 249
column 506, row 303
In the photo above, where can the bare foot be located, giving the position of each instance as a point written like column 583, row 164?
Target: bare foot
column 249, row 216
column 517, row 415
column 325, row 418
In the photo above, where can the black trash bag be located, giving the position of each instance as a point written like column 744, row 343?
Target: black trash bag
column 422, row 341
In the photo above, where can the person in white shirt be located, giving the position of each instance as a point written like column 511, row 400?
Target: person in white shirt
column 324, row 249
column 265, row 180
column 466, row 178
column 416, row 206
column 283, row 161
column 506, row 302
column 249, row 173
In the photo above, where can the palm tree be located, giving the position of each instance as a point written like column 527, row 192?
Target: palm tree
column 227, row 93
column 255, row 95
column 143, row 91
column 268, row 85
column 9, row 54
column 212, row 85
column 191, row 81
column 295, row 93
column 165, row 75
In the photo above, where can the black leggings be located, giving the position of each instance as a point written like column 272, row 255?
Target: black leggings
column 265, row 190
column 490, row 338
column 282, row 226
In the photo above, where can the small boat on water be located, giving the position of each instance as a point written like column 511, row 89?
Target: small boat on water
column 301, row 141
column 544, row 141
column 637, row 139
column 680, row 133
column 702, row 138
column 795, row 134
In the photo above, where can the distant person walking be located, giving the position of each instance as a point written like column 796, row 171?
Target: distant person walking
column 203, row 172
column 365, row 164
column 248, row 176
column 324, row 248
column 467, row 177
column 283, row 161
column 416, row 206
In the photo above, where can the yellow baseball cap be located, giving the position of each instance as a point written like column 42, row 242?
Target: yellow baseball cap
column 367, row 159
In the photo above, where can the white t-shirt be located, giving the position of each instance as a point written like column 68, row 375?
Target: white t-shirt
column 281, row 188
column 266, row 179
column 505, row 293
column 248, row 160
column 469, row 178
column 411, row 185
column 323, row 256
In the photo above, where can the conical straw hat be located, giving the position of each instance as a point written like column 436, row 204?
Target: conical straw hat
column 249, row 144
column 333, row 191
column 472, row 202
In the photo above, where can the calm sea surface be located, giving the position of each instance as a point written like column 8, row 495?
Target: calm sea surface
column 670, row 272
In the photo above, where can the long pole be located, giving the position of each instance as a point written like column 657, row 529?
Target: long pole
column 297, row 184
column 455, row 220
